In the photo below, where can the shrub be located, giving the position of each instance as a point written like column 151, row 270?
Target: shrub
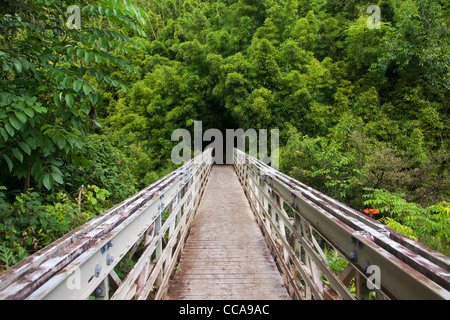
column 430, row 225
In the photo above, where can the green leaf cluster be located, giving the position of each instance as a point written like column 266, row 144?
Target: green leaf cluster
column 49, row 79
column 47, row 90
column 357, row 107
column 33, row 221
column 429, row 225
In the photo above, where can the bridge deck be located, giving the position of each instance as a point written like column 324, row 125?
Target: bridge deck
column 226, row 256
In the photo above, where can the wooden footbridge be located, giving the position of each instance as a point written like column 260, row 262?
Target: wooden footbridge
column 244, row 231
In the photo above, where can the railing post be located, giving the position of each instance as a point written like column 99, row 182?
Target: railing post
column 361, row 290
column 102, row 248
column 299, row 252
column 142, row 279
column 102, row 291
column 410, row 270
column 320, row 220
column 283, row 232
column 159, row 248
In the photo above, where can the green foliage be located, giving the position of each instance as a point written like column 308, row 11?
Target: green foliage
column 335, row 260
column 10, row 256
column 32, row 222
column 45, row 92
column 397, row 226
column 50, row 73
column 429, row 225
column 103, row 165
column 318, row 162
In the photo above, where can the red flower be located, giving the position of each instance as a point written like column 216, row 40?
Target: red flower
column 371, row 212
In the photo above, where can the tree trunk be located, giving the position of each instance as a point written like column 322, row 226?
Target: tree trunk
column 26, row 183
column 93, row 116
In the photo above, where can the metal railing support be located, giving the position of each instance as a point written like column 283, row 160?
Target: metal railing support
column 147, row 231
column 407, row 269
column 130, row 251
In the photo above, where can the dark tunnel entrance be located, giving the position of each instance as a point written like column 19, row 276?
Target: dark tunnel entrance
column 222, row 121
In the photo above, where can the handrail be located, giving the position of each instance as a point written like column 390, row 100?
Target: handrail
column 149, row 231
column 151, row 227
column 298, row 221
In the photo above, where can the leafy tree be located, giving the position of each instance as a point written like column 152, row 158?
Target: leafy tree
column 306, row 31
column 430, row 225
column 263, row 56
column 28, row 224
column 45, row 94
column 102, row 165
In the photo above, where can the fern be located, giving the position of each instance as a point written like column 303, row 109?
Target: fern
column 335, row 260
column 431, row 225
column 384, row 201
column 7, row 258
column 10, row 255
column 397, row 226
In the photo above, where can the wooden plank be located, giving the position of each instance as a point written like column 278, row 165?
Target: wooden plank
column 226, row 256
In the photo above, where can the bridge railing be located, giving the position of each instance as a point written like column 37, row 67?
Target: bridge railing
column 300, row 223
column 129, row 252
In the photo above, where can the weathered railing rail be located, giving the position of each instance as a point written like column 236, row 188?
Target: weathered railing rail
column 298, row 222
column 129, row 252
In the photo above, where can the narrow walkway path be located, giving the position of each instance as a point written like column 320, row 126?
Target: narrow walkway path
column 226, row 256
